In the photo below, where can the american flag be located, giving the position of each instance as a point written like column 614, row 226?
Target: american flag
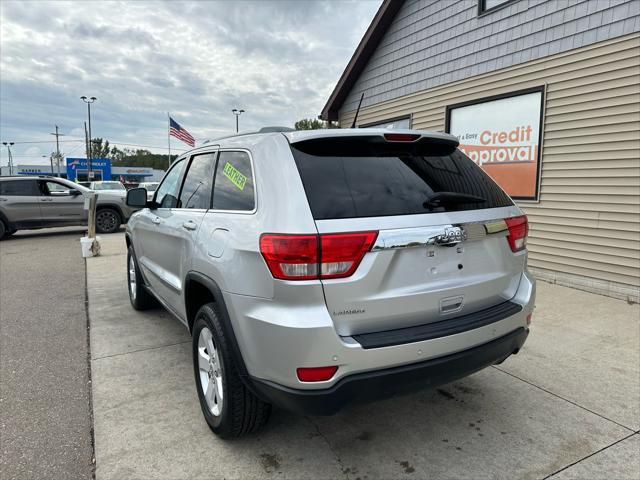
column 180, row 133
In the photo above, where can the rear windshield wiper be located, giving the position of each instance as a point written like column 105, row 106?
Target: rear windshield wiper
column 443, row 198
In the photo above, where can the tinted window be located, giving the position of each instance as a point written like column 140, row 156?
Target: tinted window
column 167, row 191
column 393, row 182
column 196, row 189
column 234, row 182
column 26, row 188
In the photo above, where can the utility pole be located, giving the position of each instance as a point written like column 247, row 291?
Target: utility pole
column 9, row 145
column 57, row 148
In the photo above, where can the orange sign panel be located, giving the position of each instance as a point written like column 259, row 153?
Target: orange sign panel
column 502, row 136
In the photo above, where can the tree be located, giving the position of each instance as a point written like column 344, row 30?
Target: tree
column 310, row 124
column 100, row 148
column 140, row 158
column 117, row 155
column 57, row 158
column 128, row 157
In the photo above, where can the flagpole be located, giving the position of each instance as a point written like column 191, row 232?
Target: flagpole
column 169, row 136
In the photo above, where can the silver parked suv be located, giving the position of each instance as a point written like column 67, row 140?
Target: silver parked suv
column 315, row 268
column 30, row 202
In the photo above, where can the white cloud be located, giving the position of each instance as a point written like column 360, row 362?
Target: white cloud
column 279, row 60
column 34, row 152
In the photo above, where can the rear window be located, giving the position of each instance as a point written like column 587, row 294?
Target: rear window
column 366, row 179
column 19, row 188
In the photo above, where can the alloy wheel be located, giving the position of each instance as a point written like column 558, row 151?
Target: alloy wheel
column 210, row 372
column 132, row 278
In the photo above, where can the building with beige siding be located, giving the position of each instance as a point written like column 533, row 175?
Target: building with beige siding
column 544, row 95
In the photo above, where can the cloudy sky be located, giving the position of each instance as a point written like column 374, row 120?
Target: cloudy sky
column 278, row 60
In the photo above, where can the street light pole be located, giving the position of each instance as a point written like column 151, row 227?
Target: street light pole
column 10, row 161
column 89, row 101
column 237, row 113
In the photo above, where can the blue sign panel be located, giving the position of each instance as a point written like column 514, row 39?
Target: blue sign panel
column 78, row 169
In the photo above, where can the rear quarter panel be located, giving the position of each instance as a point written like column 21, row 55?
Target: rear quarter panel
column 228, row 249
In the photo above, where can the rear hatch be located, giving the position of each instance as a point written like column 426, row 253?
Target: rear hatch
column 441, row 248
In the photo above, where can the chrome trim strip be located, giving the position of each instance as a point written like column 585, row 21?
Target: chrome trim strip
column 448, row 234
column 161, row 274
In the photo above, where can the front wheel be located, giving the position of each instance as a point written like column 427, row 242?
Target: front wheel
column 139, row 297
column 229, row 408
column 107, row 220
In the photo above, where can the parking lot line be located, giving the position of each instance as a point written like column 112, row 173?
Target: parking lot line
column 613, row 461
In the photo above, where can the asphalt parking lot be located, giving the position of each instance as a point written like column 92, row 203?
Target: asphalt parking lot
column 45, row 416
column 568, row 406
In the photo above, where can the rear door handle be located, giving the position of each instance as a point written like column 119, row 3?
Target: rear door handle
column 46, row 200
column 157, row 220
column 190, row 225
column 3, row 199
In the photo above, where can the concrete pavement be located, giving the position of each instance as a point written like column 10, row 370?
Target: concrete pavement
column 567, row 406
column 45, row 418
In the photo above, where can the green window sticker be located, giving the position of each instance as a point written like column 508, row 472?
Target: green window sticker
column 234, row 175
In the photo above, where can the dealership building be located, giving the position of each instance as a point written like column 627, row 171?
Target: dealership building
column 77, row 169
column 543, row 94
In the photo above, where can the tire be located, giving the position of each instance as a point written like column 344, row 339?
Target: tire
column 232, row 411
column 139, row 297
column 108, row 220
column 4, row 231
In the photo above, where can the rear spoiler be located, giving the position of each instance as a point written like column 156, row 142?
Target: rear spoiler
column 372, row 142
column 303, row 135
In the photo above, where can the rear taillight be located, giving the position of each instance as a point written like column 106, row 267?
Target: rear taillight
column 518, row 230
column 341, row 253
column 291, row 256
column 307, row 257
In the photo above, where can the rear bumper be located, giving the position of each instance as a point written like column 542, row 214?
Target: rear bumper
column 362, row 387
column 275, row 338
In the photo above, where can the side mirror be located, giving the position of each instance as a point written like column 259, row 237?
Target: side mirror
column 137, row 197
column 74, row 192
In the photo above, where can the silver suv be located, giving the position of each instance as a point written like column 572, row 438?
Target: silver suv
column 316, row 268
column 30, row 202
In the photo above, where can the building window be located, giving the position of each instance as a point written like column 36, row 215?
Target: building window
column 393, row 124
column 490, row 5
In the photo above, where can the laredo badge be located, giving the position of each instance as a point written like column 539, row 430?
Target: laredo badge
column 234, row 175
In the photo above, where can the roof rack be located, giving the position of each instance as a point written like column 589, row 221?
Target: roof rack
column 273, row 129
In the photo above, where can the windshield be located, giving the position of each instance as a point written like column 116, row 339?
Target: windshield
column 108, row 186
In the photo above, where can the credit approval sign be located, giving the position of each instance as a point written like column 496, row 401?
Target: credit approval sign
column 502, row 135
